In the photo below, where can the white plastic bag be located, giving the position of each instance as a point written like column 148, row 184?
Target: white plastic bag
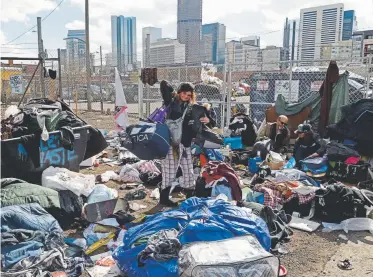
column 63, row 179
column 101, row 193
column 351, row 224
column 109, row 175
column 155, row 194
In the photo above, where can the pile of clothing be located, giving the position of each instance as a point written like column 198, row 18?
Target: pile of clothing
column 32, row 243
column 222, row 178
column 356, row 125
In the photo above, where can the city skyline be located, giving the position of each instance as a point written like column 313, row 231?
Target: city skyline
column 268, row 14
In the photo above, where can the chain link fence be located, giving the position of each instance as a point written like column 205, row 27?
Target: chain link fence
column 18, row 76
column 251, row 88
column 247, row 87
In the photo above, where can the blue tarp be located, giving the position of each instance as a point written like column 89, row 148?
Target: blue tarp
column 197, row 220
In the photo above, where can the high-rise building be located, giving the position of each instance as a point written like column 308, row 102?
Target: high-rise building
column 213, row 37
column 166, row 51
column 319, row 26
column 342, row 50
column 123, row 42
column 75, row 48
column 362, row 44
column 189, row 28
column 149, row 35
column 349, row 24
column 290, row 39
column 251, row 40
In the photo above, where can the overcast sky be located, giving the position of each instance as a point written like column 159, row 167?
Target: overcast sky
column 241, row 17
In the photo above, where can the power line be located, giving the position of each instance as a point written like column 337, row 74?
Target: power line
column 59, row 4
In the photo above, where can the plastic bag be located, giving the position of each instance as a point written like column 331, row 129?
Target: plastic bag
column 63, row 179
column 101, row 193
column 109, row 175
column 351, row 224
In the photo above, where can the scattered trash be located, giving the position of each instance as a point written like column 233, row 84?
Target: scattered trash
column 58, row 274
column 282, row 250
column 79, row 242
column 343, row 237
column 100, row 256
column 136, row 207
column 109, row 175
column 138, row 194
column 99, row 243
column 104, row 271
column 106, row 261
column 303, row 224
column 88, row 162
column 114, row 243
column 109, row 222
column 63, row 179
column 345, row 264
column 283, row 271
column 102, row 193
column 155, row 194
column 351, row 224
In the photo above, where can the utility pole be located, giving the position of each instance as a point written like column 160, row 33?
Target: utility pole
column 88, row 58
column 41, row 56
column 102, row 100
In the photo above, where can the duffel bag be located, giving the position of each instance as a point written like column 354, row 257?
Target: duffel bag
column 148, row 141
column 351, row 173
column 338, row 202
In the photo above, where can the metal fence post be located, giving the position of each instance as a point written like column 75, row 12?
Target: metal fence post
column 140, row 96
column 224, row 95
column 147, row 100
column 59, row 74
column 368, row 75
column 290, row 79
column 229, row 94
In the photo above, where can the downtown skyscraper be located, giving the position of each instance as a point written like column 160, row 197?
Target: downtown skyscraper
column 123, row 42
column 319, row 26
column 213, row 40
column 189, row 28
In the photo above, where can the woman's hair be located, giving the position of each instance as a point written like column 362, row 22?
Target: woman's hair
column 183, row 87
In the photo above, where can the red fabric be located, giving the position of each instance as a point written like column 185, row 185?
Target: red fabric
column 352, row 160
column 220, row 169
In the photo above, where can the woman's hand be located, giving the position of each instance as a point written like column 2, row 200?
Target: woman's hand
column 204, row 120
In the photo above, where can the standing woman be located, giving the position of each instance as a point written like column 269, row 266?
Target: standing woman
column 180, row 155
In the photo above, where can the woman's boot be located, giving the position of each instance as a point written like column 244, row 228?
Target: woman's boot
column 165, row 198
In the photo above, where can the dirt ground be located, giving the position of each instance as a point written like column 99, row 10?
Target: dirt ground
column 309, row 254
